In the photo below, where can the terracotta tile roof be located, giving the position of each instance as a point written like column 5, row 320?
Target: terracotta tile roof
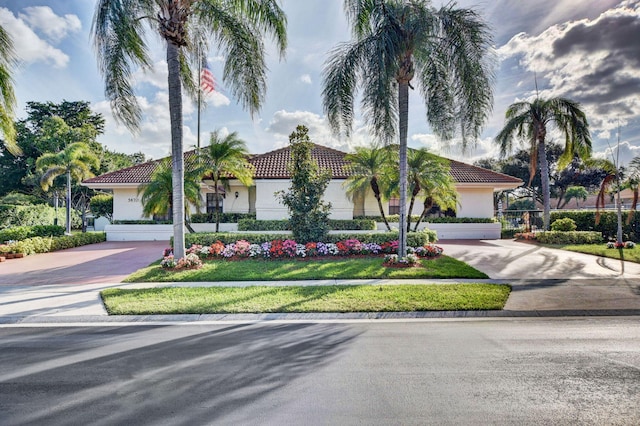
column 466, row 173
column 273, row 165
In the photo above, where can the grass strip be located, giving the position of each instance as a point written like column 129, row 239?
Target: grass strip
column 630, row 254
column 314, row 269
column 304, row 299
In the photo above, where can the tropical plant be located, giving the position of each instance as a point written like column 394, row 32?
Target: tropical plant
column 237, row 26
column 528, row 121
column 308, row 213
column 75, row 161
column 447, row 50
column 157, row 195
column 368, row 168
column 102, row 206
column 577, row 192
column 7, row 95
column 226, row 158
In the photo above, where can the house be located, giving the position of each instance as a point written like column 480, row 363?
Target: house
column 475, row 186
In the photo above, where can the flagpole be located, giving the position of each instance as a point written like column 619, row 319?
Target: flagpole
column 199, row 96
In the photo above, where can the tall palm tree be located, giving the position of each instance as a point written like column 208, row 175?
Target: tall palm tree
column 226, row 158
column 529, row 121
column 76, row 161
column 447, row 50
column 7, row 95
column 157, row 194
column 369, row 166
column 237, row 26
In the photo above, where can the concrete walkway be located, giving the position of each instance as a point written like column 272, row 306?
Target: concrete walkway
column 64, row 286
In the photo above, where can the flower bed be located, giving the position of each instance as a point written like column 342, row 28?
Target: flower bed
column 287, row 249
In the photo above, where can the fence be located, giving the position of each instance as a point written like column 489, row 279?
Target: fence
column 524, row 220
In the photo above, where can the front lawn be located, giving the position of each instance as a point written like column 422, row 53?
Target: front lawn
column 303, row 299
column 630, row 254
column 309, row 269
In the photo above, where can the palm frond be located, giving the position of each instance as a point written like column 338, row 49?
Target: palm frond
column 7, row 95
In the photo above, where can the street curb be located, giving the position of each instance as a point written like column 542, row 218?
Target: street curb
column 311, row 317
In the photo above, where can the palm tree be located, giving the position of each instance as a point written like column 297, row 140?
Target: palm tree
column 447, row 50
column 7, row 96
column 225, row 158
column 238, row 27
column 529, row 121
column 76, row 161
column 369, row 166
column 429, row 178
column 157, row 195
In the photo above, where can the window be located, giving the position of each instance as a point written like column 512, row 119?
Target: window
column 394, row 205
column 211, row 203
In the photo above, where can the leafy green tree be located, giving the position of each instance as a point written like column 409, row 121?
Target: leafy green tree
column 157, row 195
column 308, row 214
column 224, row 157
column 7, row 95
column 237, row 26
column 446, row 50
column 577, row 192
column 369, row 166
column 75, row 161
column 528, row 122
column 102, row 206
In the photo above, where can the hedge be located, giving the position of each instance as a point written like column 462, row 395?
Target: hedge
column 19, row 233
column 224, row 217
column 571, row 237
column 414, row 239
column 48, row 244
column 41, row 214
column 444, row 219
column 283, row 225
column 608, row 226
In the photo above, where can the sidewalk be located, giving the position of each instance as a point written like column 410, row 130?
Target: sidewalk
column 545, row 282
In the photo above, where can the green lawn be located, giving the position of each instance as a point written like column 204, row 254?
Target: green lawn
column 301, row 299
column 632, row 255
column 274, row 270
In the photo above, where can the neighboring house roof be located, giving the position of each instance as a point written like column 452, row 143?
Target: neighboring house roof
column 273, row 165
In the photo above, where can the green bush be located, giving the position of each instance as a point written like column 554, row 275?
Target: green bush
column 573, row 237
column 19, row 233
column 566, row 224
column 283, row 225
column 48, row 244
column 414, row 239
column 224, row 218
column 444, row 219
column 586, row 221
column 142, row 222
column 102, row 205
column 40, row 214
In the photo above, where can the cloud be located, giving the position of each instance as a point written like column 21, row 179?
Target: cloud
column 28, row 45
column 54, row 27
column 305, row 78
column 593, row 61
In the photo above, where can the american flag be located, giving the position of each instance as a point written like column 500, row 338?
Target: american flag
column 207, row 81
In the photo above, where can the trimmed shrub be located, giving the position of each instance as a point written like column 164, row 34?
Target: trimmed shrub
column 48, row 244
column 444, row 219
column 574, row 237
column 19, row 233
column 40, row 214
column 566, row 224
column 586, row 221
column 224, row 217
column 283, row 225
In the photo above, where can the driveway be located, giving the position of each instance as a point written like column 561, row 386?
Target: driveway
column 108, row 262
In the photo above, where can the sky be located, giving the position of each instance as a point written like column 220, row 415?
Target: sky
column 584, row 50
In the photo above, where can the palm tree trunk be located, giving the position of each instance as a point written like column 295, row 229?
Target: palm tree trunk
column 175, row 113
column 544, row 177
column 428, row 203
column 403, row 110
column 68, row 202
column 217, row 204
column 376, row 192
column 414, row 193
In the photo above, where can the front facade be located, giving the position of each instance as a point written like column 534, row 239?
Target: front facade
column 475, row 187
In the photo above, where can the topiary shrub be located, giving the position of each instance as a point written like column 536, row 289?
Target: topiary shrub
column 565, row 224
column 573, row 237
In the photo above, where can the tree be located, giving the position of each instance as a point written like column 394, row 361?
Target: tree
column 577, row 192
column 225, row 157
column 447, row 50
column 369, row 166
column 309, row 215
column 238, row 26
column 102, row 206
column 7, row 95
column 75, row 161
column 157, row 195
column 528, row 121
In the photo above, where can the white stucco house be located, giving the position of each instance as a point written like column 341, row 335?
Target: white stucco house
column 475, row 187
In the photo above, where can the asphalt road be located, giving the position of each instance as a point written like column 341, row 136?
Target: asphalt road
column 516, row 371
